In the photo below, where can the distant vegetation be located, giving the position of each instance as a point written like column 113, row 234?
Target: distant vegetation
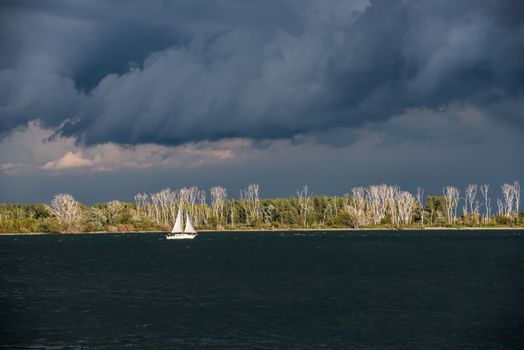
column 380, row 206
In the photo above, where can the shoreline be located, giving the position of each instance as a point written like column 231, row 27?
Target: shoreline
column 364, row 229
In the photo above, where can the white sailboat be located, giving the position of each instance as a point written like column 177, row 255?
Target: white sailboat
column 177, row 232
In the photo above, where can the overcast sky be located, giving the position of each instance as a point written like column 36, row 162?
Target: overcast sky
column 104, row 99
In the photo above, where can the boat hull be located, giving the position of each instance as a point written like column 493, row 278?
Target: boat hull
column 181, row 236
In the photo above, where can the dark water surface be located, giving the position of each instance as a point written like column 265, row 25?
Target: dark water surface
column 351, row 290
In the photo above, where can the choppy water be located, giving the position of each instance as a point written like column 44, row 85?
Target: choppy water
column 351, row 290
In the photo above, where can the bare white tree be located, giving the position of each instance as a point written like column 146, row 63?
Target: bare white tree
column 420, row 200
column 113, row 210
column 232, row 212
column 516, row 189
column 244, row 204
column 192, row 197
column 500, row 206
column 218, row 198
column 157, row 207
column 201, row 217
column 163, row 200
column 392, row 195
column 508, row 195
column 377, row 197
column 405, row 205
column 155, row 203
column 304, row 199
column 484, row 189
column 356, row 207
column 452, row 196
column 141, row 202
column 470, row 194
column 67, row 210
column 172, row 205
column 183, row 196
column 251, row 200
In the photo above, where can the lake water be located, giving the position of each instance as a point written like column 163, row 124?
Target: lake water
column 300, row 290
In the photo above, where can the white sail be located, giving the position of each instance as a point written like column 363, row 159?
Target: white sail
column 177, row 232
column 189, row 225
column 179, row 223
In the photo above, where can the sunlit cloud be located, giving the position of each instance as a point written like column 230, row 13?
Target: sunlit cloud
column 68, row 161
column 33, row 148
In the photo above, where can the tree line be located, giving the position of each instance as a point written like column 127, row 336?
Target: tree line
column 373, row 206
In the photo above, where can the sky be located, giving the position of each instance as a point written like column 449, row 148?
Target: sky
column 105, row 99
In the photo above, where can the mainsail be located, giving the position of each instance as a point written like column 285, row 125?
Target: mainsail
column 189, row 225
column 178, row 226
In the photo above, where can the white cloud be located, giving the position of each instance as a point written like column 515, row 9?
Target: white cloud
column 35, row 148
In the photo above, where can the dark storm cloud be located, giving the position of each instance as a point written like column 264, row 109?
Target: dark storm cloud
column 271, row 69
